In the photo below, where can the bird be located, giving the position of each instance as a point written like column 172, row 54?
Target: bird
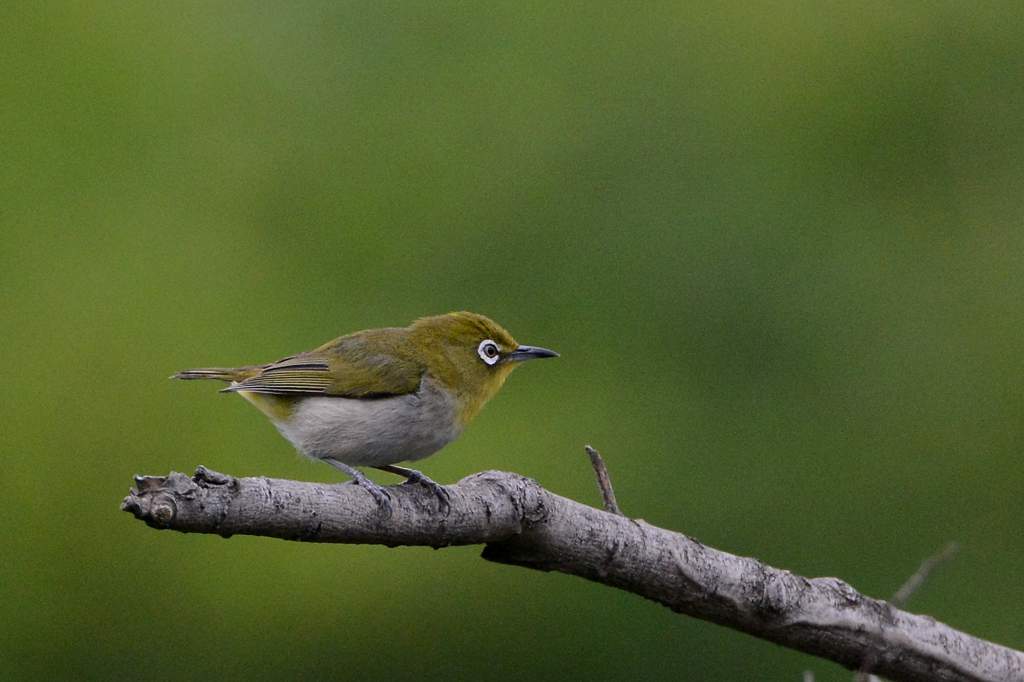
column 378, row 397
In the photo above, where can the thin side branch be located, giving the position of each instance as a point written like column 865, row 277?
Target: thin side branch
column 521, row 523
column 915, row 581
column 903, row 595
column 604, row 481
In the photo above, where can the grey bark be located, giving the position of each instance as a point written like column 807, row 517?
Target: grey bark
column 521, row 523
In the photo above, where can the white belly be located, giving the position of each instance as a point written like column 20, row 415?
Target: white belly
column 373, row 432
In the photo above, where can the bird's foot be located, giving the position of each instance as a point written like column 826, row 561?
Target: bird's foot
column 379, row 494
column 444, row 498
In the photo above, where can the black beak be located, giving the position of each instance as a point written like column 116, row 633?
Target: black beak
column 529, row 353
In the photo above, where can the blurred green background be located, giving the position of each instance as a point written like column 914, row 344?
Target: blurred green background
column 779, row 246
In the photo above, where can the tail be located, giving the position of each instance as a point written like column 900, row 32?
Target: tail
column 219, row 373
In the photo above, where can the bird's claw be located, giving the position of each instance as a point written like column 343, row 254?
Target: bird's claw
column 444, row 498
column 379, row 494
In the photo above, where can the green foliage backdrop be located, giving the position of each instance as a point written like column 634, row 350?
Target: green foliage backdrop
column 779, row 246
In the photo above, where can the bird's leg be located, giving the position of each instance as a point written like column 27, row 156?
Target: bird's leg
column 359, row 478
column 413, row 476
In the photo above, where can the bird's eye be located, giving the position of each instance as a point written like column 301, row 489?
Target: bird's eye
column 488, row 351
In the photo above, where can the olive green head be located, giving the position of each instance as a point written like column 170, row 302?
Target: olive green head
column 471, row 354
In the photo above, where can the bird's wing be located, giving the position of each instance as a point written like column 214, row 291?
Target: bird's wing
column 346, row 367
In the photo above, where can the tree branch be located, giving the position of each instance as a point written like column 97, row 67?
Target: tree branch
column 521, row 523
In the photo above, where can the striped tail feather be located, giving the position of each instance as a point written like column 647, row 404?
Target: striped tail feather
column 219, row 373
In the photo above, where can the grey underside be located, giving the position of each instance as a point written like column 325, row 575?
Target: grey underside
column 376, row 431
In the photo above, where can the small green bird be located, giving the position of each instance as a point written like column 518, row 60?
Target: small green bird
column 382, row 396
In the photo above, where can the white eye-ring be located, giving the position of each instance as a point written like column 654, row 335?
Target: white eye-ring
column 488, row 351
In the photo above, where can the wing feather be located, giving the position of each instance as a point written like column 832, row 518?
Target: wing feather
column 355, row 366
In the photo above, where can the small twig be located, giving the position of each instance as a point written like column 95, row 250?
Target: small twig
column 604, row 482
column 906, row 591
column 915, row 581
